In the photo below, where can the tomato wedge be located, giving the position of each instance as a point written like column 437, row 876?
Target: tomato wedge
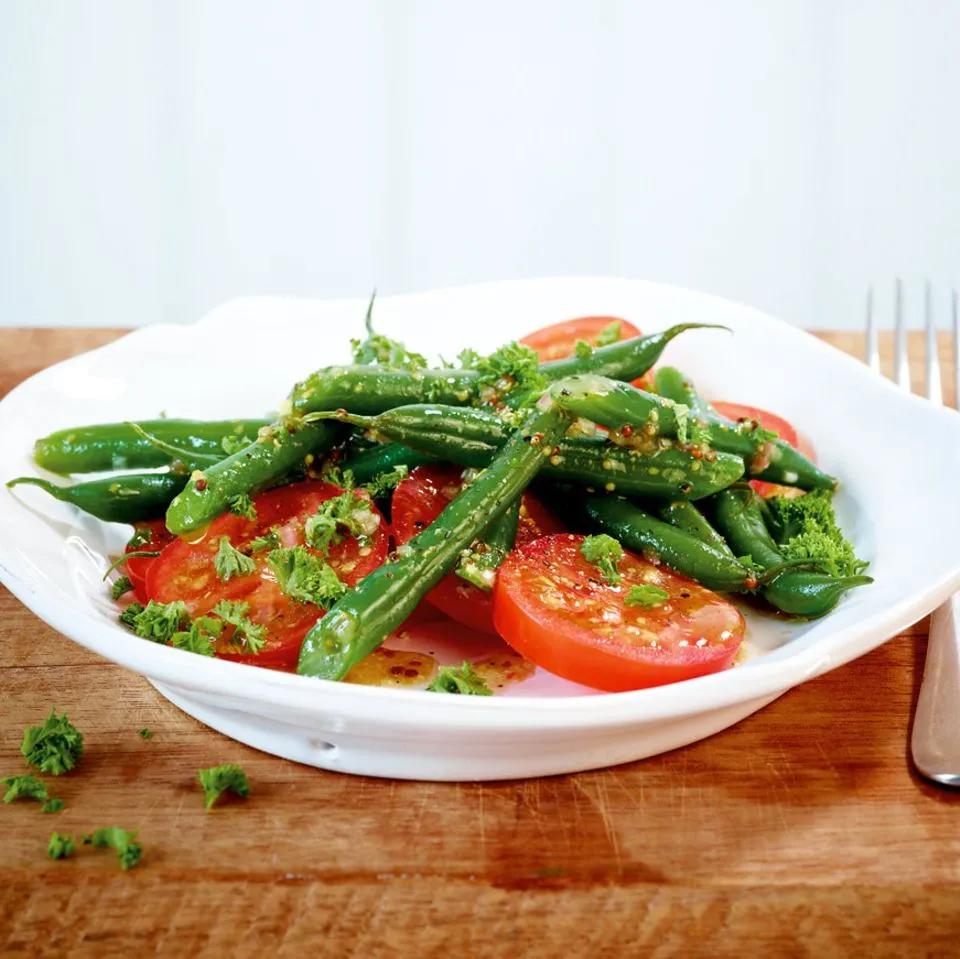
column 554, row 608
column 419, row 499
column 154, row 536
column 780, row 426
column 558, row 341
column 185, row 569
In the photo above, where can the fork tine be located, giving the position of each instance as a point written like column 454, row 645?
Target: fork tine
column 872, row 354
column 931, row 352
column 901, row 362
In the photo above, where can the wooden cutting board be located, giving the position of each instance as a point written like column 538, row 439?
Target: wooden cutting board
column 800, row 831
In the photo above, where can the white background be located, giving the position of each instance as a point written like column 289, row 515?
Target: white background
column 158, row 158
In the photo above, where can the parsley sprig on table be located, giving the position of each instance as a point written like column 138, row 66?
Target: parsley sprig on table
column 216, row 780
column 54, row 747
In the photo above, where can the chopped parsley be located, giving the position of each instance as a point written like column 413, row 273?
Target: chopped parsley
column 513, row 368
column 380, row 350
column 462, row 679
column 248, row 637
column 233, row 443
column 346, row 512
column 806, row 527
column 646, row 595
column 304, row 577
column 60, row 847
column 383, row 483
column 24, row 787
column 53, row 804
column 333, row 472
column 128, row 849
column 609, row 334
column 141, row 536
column 145, row 733
column 121, row 586
column 217, row 780
column 230, row 562
column 242, row 505
column 156, row 621
column 582, row 350
column 478, row 565
column 605, row 553
column 269, row 540
column 53, row 747
column 199, row 637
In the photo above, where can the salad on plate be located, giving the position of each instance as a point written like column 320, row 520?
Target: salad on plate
column 565, row 500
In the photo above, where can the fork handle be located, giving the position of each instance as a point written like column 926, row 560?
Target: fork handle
column 935, row 743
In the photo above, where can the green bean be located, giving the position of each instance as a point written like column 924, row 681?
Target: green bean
column 684, row 515
column 117, row 446
column 131, row 498
column 799, row 592
column 277, row 450
column 775, row 461
column 470, row 437
column 360, row 621
column 370, row 390
column 478, row 563
column 368, row 464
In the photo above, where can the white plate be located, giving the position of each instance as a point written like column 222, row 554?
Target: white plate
column 898, row 457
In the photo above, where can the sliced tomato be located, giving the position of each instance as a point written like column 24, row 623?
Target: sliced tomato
column 780, row 426
column 553, row 607
column 558, row 341
column 419, row 499
column 155, row 536
column 185, row 569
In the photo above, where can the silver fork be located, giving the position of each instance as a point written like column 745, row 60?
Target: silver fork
column 935, row 743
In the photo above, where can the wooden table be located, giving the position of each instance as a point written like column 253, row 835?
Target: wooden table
column 800, row 831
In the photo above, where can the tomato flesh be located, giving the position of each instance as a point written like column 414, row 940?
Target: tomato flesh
column 419, row 499
column 185, row 570
column 559, row 340
column 555, row 609
column 138, row 566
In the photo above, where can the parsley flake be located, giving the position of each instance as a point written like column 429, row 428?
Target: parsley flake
column 380, row 350
column 348, row 512
column 645, row 595
column 217, row 780
column 60, row 847
column 199, row 637
column 121, row 586
column 605, row 553
column 156, row 621
column 53, row 804
column 304, row 577
column 24, row 787
column 124, row 841
column 141, row 536
column 513, row 368
column 383, row 483
column 242, row 505
column 462, row 679
column 230, row 562
column 269, row 540
column 54, row 747
column 609, row 334
column 145, row 733
column 248, row 637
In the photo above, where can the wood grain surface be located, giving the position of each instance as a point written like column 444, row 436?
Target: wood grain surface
column 802, row 831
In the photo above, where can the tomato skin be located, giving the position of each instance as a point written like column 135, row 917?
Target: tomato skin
column 780, row 426
column 419, row 499
column 553, row 608
column 185, row 571
column 558, row 341
column 137, row 567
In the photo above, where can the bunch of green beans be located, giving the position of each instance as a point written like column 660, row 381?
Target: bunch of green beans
column 625, row 461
